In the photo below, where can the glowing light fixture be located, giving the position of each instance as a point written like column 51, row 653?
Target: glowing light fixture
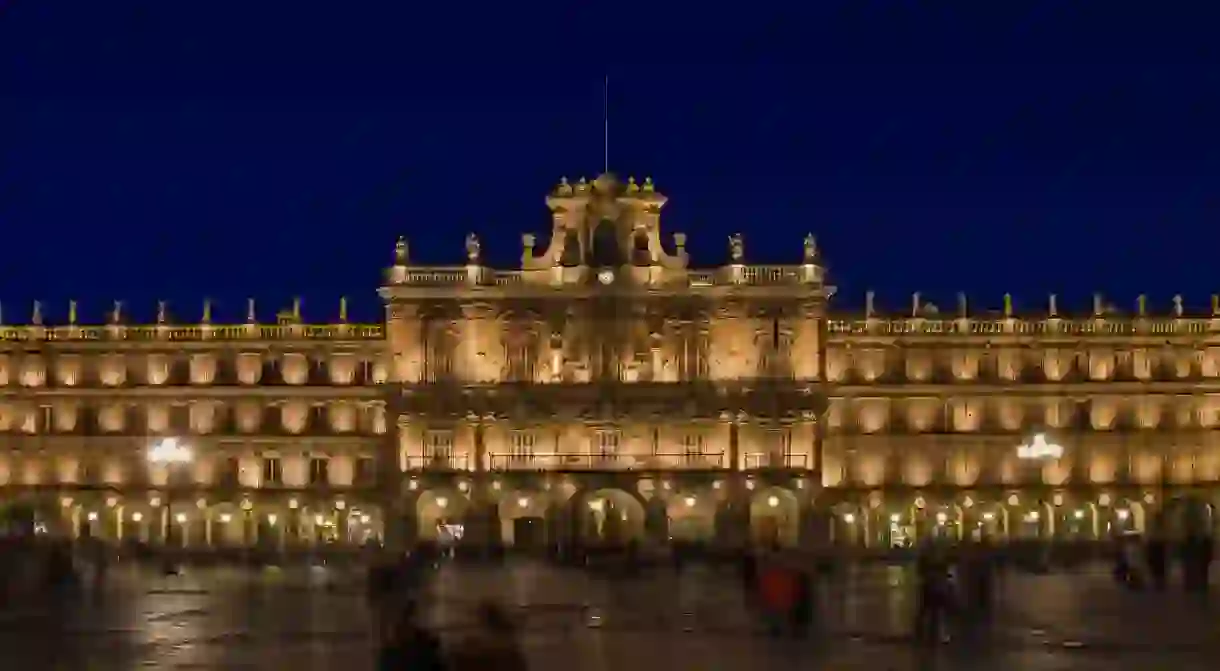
column 1039, row 448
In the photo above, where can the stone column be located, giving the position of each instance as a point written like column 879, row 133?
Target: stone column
column 485, row 528
column 735, row 512
column 389, row 481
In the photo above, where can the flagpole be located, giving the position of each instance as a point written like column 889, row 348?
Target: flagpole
column 606, row 125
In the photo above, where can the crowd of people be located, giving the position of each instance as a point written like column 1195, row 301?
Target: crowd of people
column 954, row 588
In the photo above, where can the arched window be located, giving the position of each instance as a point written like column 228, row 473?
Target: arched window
column 605, row 252
column 640, row 254
column 571, row 250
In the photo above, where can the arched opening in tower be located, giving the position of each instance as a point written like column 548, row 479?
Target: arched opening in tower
column 605, row 252
column 570, row 257
column 640, row 254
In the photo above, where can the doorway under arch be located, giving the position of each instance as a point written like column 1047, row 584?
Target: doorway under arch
column 775, row 518
column 441, row 514
column 610, row 517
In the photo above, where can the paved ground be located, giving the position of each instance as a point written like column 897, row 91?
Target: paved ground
column 235, row 620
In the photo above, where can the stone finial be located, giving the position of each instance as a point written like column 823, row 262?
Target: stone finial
column 251, row 317
column 870, row 299
column 116, row 313
column 632, row 187
column 1054, row 306
column 402, row 252
column 72, row 313
column 1177, row 305
column 162, row 315
column 528, row 240
column 1141, row 305
column 649, row 187
column 679, row 242
column 963, row 306
column 474, row 250
column 1216, row 305
column 564, row 189
column 737, row 248
column 343, row 309
column 296, row 309
column 36, row 317
column 1099, row 307
column 1007, row 305
column 207, row 311
column 916, row 299
column 811, row 248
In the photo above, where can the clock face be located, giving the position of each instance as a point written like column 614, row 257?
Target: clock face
column 606, row 276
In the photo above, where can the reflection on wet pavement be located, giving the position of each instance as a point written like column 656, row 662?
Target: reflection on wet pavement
column 235, row 620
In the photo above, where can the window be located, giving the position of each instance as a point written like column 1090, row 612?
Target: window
column 692, row 446
column 230, row 472
column 46, row 419
column 318, row 420
column 366, row 471
column 522, row 445
column 180, row 419
column 521, row 362
column 319, row 471
column 439, row 448
column 783, row 440
column 88, row 472
column 273, row 471
column 607, row 442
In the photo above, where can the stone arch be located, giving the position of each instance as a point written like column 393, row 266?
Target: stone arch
column 850, row 524
column 437, row 508
column 604, row 243
column 985, row 519
column 691, row 514
column 1028, row 518
column 524, row 518
column 571, row 255
column 641, row 251
column 230, row 525
column 1122, row 516
column 607, row 516
column 775, row 517
column 1190, row 515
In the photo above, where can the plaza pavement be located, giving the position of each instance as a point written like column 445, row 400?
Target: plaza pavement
column 234, row 619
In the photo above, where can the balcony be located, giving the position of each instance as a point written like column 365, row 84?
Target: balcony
column 438, row 462
column 673, row 461
column 758, row 461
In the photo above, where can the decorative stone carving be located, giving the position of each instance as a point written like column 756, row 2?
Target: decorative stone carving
column 737, row 248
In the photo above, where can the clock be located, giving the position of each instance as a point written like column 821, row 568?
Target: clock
column 605, row 276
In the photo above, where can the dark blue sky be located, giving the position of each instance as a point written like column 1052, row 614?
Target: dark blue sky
column 154, row 151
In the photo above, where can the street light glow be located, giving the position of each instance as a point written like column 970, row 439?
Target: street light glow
column 1039, row 448
column 170, row 451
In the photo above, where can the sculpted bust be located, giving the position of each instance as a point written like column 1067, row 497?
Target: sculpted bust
column 473, row 249
column 737, row 248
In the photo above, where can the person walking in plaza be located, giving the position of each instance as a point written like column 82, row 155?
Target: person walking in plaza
column 1156, row 556
column 777, row 594
column 804, row 603
column 933, row 597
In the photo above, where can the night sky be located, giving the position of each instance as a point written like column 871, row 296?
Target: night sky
column 152, row 151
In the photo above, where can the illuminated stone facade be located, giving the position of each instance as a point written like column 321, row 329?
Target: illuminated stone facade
column 283, row 422
column 605, row 391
